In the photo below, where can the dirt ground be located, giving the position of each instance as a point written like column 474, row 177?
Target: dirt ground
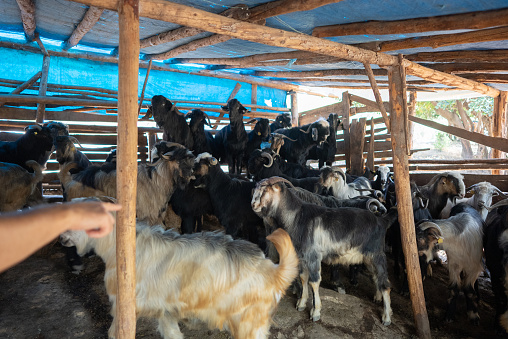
column 40, row 298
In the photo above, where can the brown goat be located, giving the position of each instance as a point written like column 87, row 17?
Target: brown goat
column 17, row 184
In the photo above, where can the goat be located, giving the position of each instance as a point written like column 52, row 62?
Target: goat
column 282, row 120
column 462, row 235
column 267, row 163
column 18, row 185
column 230, row 199
column 155, row 182
column 441, row 188
column 480, row 200
column 333, row 182
column 226, row 283
column 305, row 137
column 256, row 136
column 495, row 244
column 203, row 140
column 325, row 153
column 382, row 178
column 344, row 235
column 231, row 140
column 172, row 121
column 67, row 152
column 111, row 158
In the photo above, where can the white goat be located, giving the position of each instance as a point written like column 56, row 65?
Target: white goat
column 334, row 180
column 229, row 284
column 480, row 200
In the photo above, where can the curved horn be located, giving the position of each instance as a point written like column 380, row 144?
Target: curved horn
column 74, row 140
column 207, row 119
column 430, row 224
column 307, row 131
column 501, row 193
column 375, row 205
column 148, row 114
column 286, row 137
column 37, row 127
column 251, row 121
column 273, row 180
column 269, row 157
column 342, row 175
column 471, row 187
column 498, row 204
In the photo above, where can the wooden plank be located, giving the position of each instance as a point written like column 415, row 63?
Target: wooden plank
column 377, row 95
column 192, row 17
column 472, row 20
column 254, row 96
column 458, row 167
column 345, row 107
column 491, row 55
column 25, row 85
column 357, row 142
column 500, row 181
column 27, row 8
column 499, row 122
column 92, row 16
column 468, row 67
column 56, row 100
column 404, row 206
column 295, row 118
column 318, row 73
column 370, row 148
column 126, row 181
column 312, row 115
column 144, row 85
column 494, row 142
column 281, row 7
column 41, row 107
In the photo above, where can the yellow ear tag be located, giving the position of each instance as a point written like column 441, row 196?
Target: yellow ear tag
column 73, row 148
column 259, row 133
column 35, row 133
column 440, row 240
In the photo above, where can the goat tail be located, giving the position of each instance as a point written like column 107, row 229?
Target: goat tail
column 64, row 175
column 38, row 176
column 287, row 269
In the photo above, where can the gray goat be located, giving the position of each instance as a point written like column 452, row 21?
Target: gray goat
column 335, row 236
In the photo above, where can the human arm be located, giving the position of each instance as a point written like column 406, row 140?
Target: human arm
column 22, row 233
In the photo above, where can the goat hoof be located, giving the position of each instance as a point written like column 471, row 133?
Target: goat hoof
column 387, row 322
column 300, row 309
column 315, row 315
column 340, row 290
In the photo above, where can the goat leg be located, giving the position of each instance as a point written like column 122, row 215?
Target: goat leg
column 168, row 327
column 472, row 303
column 451, row 307
column 304, row 277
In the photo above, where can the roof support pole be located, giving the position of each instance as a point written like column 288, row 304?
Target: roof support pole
column 397, row 90
column 27, row 8
column 346, row 113
column 499, row 122
column 294, row 109
column 128, row 67
column 254, row 97
column 375, row 89
column 92, row 15
column 43, row 86
column 144, row 86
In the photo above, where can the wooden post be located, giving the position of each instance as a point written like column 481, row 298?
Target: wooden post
column 412, row 110
column 25, row 85
column 294, row 109
column 27, row 8
column 403, row 192
column 43, row 86
column 144, row 85
column 499, row 122
column 346, row 105
column 254, row 96
column 357, row 141
column 377, row 95
column 128, row 67
column 370, row 151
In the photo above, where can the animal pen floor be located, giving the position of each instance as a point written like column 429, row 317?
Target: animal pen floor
column 41, row 298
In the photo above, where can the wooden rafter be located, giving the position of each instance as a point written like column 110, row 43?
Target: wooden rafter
column 473, row 20
column 490, row 55
column 469, row 67
column 377, row 95
column 319, row 73
column 188, row 16
column 435, row 41
column 487, row 77
column 92, row 15
column 256, row 14
column 25, row 85
column 27, row 8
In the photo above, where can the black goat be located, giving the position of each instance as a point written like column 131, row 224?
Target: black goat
column 305, row 137
column 495, row 244
column 230, row 200
column 203, row 140
column 325, row 153
column 282, row 120
column 231, row 140
column 443, row 186
column 267, row 163
column 171, row 120
column 335, row 236
column 260, row 133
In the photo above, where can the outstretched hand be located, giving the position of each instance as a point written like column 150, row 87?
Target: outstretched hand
column 94, row 217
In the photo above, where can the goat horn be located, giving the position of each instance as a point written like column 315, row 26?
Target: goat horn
column 501, row 193
column 207, row 120
column 308, row 130
column 273, row 180
column 251, row 121
column 375, row 205
column 73, row 139
column 282, row 136
column 37, row 127
column 498, row 204
column 148, row 114
column 269, row 157
column 422, row 204
column 430, row 224
column 471, row 187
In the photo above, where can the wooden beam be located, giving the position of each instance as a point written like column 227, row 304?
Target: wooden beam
column 377, row 95
column 312, row 115
column 144, row 86
column 491, row 55
column 25, row 85
column 404, row 206
column 435, row 41
column 57, row 101
column 126, row 182
column 487, row 77
column 319, row 73
column 357, row 142
column 493, row 142
column 192, row 17
column 92, row 16
column 499, row 122
column 41, row 107
column 27, row 8
column 469, row 67
column 345, row 113
column 254, row 97
column 447, row 79
column 472, row 20
column 295, row 119
column 370, row 150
